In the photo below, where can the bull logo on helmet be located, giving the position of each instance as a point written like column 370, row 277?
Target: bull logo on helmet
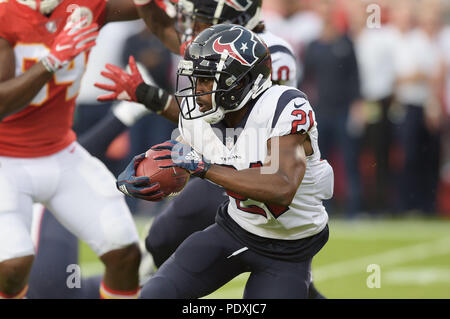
column 239, row 44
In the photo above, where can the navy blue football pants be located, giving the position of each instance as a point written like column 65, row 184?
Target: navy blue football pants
column 208, row 259
column 192, row 210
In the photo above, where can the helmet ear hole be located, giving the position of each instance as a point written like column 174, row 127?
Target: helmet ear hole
column 243, row 82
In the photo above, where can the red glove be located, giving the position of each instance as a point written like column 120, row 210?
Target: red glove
column 125, row 84
column 69, row 43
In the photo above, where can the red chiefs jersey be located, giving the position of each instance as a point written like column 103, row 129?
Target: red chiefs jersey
column 44, row 126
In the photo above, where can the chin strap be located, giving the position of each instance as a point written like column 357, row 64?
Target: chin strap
column 218, row 12
column 255, row 91
column 255, row 20
column 267, row 84
column 215, row 117
column 219, row 113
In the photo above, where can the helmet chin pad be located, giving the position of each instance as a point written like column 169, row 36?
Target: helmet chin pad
column 45, row 6
column 215, row 117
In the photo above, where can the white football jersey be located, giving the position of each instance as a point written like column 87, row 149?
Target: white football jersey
column 279, row 111
column 284, row 65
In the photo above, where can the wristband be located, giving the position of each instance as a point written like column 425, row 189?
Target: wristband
column 51, row 64
column 155, row 99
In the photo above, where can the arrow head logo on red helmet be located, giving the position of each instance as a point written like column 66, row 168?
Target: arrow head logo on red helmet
column 239, row 44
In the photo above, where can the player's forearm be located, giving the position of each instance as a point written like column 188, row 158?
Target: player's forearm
column 172, row 111
column 120, row 10
column 159, row 101
column 18, row 92
column 255, row 184
column 161, row 25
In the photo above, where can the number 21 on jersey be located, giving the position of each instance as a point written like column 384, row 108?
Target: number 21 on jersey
column 253, row 207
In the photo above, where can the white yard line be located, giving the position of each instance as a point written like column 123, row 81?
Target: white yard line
column 418, row 276
column 403, row 230
column 389, row 258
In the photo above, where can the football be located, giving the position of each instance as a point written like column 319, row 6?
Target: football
column 172, row 179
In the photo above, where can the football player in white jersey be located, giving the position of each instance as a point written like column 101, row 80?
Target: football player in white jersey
column 273, row 222
column 184, row 213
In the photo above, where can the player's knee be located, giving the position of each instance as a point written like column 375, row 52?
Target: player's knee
column 154, row 241
column 124, row 259
column 149, row 244
column 159, row 244
column 154, row 249
column 14, row 274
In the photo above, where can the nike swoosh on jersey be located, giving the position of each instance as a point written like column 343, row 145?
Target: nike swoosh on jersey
column 299, row 105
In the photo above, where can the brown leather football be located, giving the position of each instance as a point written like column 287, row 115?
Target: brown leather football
column 172, row 179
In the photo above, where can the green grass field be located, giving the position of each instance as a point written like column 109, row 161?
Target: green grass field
column 411, row 258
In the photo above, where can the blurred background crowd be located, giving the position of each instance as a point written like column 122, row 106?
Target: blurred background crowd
column 377, row 74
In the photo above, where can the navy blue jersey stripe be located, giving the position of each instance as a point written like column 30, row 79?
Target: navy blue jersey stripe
column 280, row 48
column 284, row 100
